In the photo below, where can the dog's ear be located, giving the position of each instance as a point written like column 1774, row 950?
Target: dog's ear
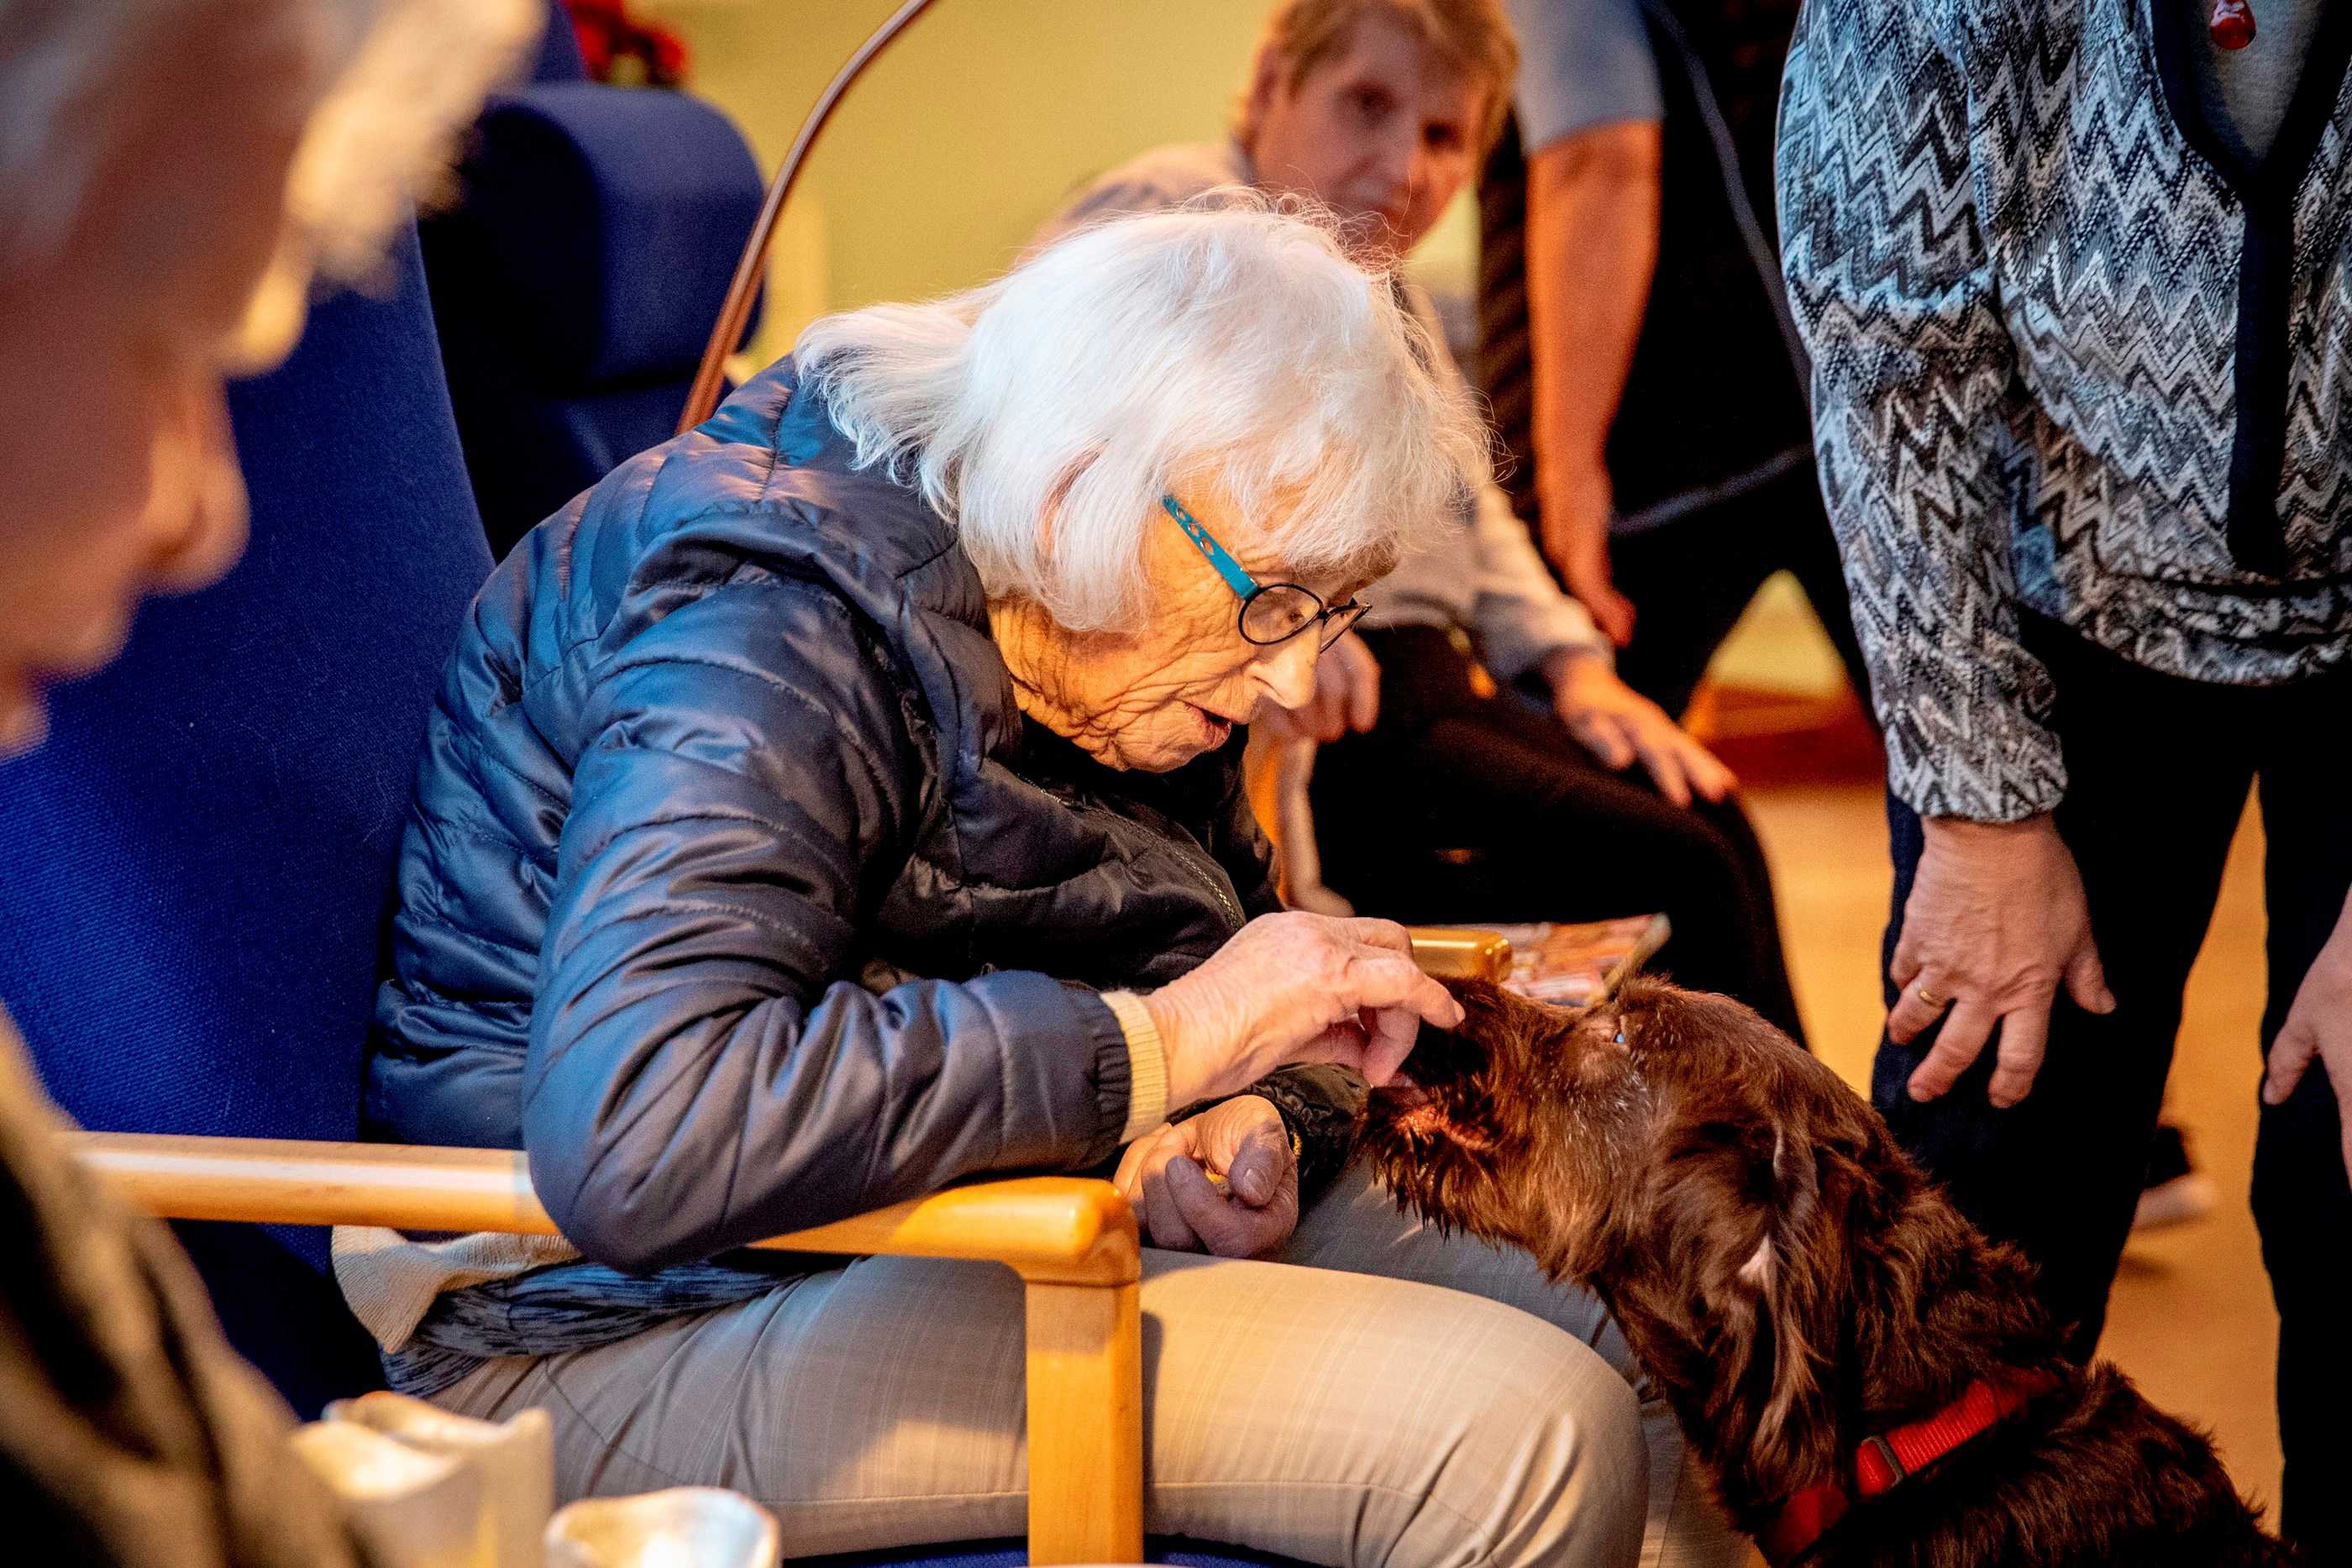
column 1772, row 1193
column 1775, row 1285
column 1790, row 1184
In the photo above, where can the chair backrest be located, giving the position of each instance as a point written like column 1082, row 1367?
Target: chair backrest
column 576, row 280
column 560, row 58
column 193, row 871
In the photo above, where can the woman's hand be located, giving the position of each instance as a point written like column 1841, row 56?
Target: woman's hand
column 1347, row 696
column 1996, row 922
column 2319, row 1025
column 1165, row 1175
column 1296, row 988
column 1620, row 726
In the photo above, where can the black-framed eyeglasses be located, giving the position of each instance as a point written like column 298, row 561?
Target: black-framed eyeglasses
column 1271, row 611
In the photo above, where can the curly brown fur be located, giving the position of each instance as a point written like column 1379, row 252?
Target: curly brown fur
column 1790, row 1280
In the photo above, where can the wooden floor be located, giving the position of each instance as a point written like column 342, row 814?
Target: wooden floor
column 2191, row 1318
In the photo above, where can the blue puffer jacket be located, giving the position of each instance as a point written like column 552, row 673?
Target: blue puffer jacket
column 737, row 890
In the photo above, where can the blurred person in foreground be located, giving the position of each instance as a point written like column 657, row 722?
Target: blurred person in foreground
column 1569, row 796
column 174, row 175
column 2081, row 435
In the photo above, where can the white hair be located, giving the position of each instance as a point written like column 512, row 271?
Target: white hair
column 1232, row 348
column 393, row 80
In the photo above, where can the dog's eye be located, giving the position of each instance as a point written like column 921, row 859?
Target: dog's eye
column 1620, row 1034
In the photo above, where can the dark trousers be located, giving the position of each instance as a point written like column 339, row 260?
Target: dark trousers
column 1458, row 807
column 2158, row 773
column 1691, row 579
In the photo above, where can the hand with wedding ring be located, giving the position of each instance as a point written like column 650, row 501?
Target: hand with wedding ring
column 1995, row 924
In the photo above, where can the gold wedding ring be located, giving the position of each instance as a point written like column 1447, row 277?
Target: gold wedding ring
column 1932, row 999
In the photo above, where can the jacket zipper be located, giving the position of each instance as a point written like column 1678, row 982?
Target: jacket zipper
column 1199, row 868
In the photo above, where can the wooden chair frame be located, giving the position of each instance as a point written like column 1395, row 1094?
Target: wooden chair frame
column 1073, row 1243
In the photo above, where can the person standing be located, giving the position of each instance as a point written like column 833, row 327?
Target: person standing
column 1635, row 342
column 2074, row 276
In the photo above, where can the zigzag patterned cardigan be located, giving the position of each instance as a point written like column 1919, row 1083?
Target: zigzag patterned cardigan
column 2071, row 358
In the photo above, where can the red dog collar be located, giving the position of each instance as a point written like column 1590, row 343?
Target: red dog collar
column 1886, row 1459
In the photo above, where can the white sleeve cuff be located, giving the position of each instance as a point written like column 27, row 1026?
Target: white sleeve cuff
column 1147, row 1064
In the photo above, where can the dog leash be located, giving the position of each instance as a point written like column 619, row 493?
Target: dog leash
column 1886, row 1459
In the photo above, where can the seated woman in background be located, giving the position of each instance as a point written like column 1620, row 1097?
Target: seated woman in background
column 1457, row 803
column 842, row 800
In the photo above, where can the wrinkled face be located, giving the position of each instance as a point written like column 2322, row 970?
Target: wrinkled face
column 113, row 431
column 1153, row 696
column 1660, row 1117
column 1383, row 131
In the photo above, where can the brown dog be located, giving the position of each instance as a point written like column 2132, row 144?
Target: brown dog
column 1868, row 1379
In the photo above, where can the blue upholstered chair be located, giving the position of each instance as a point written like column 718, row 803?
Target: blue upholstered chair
column 193, row 880
column 193, row 872
column 559, row 48
column 576, row 279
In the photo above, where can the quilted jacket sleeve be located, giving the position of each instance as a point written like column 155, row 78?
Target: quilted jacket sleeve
column 1914, row 397
column 700, row 1072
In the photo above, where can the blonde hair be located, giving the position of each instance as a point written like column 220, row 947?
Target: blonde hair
column 1232, row 347
column 1473, row 36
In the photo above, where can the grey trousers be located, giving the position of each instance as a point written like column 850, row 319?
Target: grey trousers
column 1382, row 1396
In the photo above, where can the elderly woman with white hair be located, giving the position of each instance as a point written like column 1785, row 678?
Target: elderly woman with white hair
column 842, row 800
column 174, row 177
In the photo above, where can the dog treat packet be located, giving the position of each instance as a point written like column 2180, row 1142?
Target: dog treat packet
column 1578, row 964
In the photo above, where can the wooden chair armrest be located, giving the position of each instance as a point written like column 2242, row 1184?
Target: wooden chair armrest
column 1461, row 954
column 1058, row 1229
column 1073, row 1242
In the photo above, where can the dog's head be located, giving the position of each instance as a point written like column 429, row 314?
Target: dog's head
column 1519, row 1126
column 1745, row 1214
column 1665, row 1117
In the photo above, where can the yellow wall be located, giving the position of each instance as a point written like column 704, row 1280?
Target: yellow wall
column 968, row 132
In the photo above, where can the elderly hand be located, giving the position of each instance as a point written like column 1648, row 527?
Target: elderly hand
column 1996, row 922
column 1296, row 988
column 1619, row 726
column 1577, row 506
column 1165, row 1175
column 2319, row 1025
column 1347, row 696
